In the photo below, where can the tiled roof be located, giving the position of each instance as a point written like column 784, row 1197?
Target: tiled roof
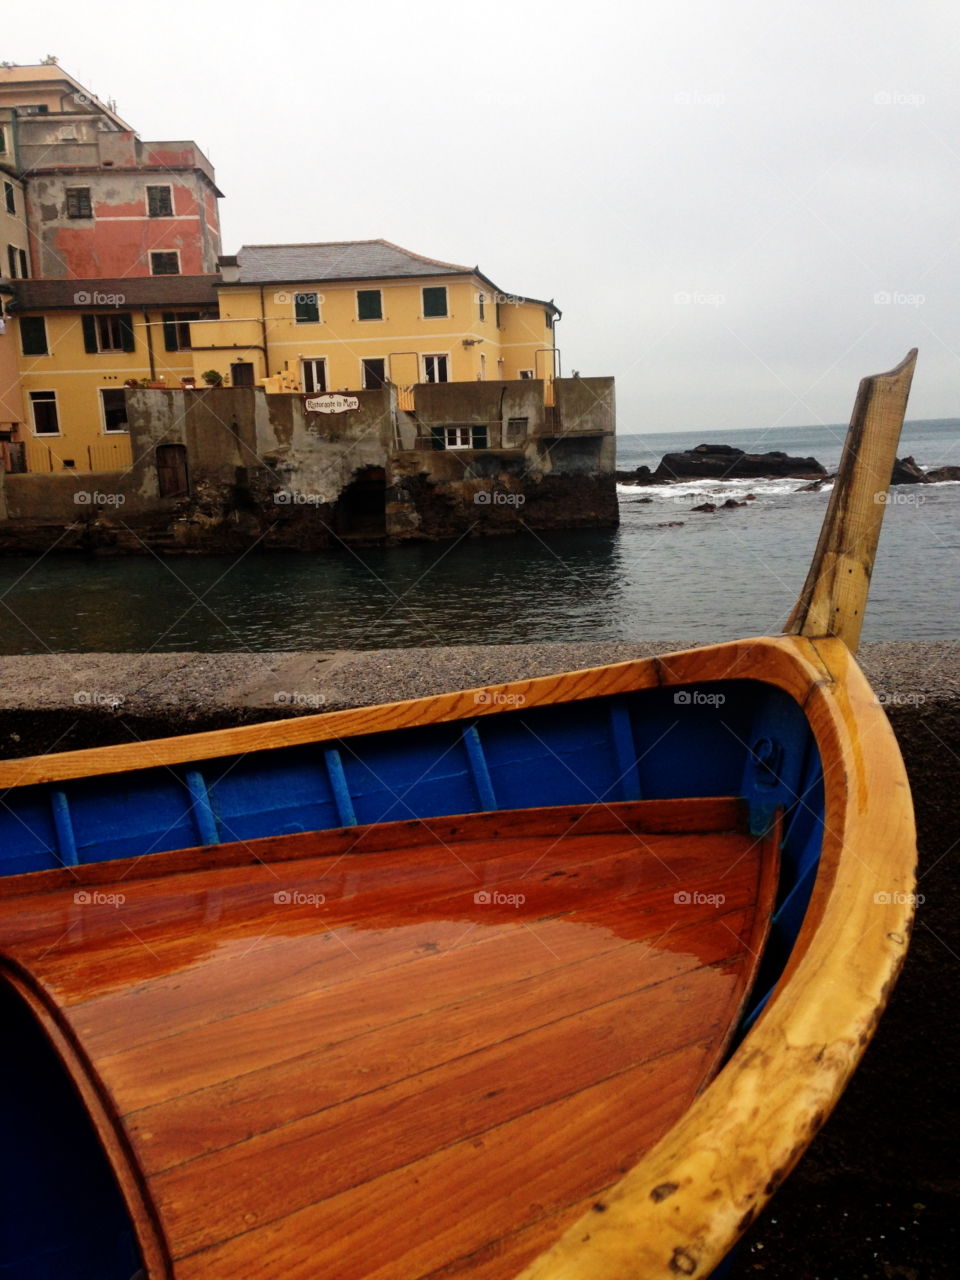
column 339, row 260
column 135, row 291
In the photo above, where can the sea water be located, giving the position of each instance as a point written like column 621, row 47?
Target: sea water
column 668, row 573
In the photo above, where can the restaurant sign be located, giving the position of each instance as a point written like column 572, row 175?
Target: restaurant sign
column 331, row 404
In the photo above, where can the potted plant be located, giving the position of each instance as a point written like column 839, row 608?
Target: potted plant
column 213, row 378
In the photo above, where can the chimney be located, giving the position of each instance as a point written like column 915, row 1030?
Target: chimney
column 229, row 268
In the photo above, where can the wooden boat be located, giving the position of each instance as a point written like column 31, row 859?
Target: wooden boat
column 554, row 980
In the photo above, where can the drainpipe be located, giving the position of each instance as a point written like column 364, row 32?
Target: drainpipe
column 153, row 363
column 263, row 329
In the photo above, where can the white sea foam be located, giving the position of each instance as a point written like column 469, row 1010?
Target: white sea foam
column 705, row 490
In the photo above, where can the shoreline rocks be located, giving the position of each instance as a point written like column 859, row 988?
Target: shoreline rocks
column 724, row 462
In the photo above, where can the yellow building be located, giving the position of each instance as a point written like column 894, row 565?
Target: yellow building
column 14, row 265
column 80, row 343
column 298, row 318
column 352, row 315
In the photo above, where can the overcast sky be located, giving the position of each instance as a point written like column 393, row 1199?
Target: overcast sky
column 741, row 206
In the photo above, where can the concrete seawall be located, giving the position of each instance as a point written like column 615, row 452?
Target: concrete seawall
column 880, row 1181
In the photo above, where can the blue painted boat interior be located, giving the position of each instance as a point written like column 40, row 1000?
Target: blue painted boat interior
column 740, row 738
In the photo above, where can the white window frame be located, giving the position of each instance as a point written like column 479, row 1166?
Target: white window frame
column 166, row 273
column 104, row 316
column 436, row 355
column 423, row 310
column 160, row 186
column 525, row 373
column 363, row 373
column 368, row 319
column 104, row 429
column 313, row 360
column 44, row 435
column 453, row 437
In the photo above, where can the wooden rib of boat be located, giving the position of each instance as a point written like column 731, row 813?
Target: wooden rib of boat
column 555, row 980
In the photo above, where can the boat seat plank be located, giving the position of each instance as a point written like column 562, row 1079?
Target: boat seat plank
column 468, row 1073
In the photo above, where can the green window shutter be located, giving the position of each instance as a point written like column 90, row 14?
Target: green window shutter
column 435, row 300
column 89, row 333
column 170, row 331
column 33, row 335
column 439, row 440
column 306, row 308
column 369, row 304
column 126, row 328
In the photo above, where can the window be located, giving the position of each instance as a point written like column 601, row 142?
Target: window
column 369, row 304
column 481, row 299
column 499, row 316
column 435, row 369
column 16, row 262
column 241, row 374
column 78, row 202
column 526, row 373
column 176, row 329
column 374, row 374
column 113, row 332
column 33, row 336
column 33, row 109
column 435, row 301
column 114, row 405
column 9, row 198
column 44, row 407
column 306, row 308
column 160, row 204
column 459, row 437
column 165, row 264
column 314, row 376
column 548, row 318
column 3, row 141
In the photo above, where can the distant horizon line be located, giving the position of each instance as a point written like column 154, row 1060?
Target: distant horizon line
column 800, row 426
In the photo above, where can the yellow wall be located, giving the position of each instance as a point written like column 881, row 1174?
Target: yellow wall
column 402, row 337
column 77, row 377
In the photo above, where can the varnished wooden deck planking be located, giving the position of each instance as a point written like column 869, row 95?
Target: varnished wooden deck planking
column 435, row 1102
